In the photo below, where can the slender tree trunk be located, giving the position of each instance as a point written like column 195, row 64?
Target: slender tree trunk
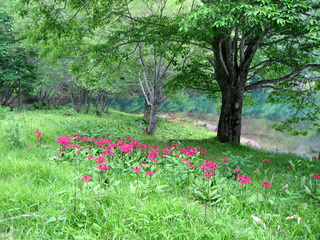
column 153, row 118
column 147, row 110
column 89, row 102
column 20, row 100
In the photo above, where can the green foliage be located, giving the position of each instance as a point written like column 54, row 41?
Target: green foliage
column 13, row 132
column 4, row 112
column 170, row 204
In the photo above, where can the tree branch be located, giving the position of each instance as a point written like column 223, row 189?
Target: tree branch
column 255, row 85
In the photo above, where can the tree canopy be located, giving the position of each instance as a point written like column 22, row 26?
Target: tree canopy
column 225, row 47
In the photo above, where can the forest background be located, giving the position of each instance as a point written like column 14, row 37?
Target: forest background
column 40, row 75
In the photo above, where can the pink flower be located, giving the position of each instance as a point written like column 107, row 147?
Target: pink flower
column 86, row 178
column 266, row 184
column 208, row 174
column 152, row 154
column 109, row 152
column 191, row 166
column 38, row 134
column 224, row 160
column 186, row 160
column 154, row 160
column 203, row 152
column 64, row 140
column 173, row 146
column 165, row 151
column 30, row 146
column 59, row 156
column 126, row 148
column 150, row 172
column 243, row 179
column 137, row 169
column 288, row 167
column 144, row 162
column 236, row 170
column 103, row 167
column 90, row 157
column 100, row 160
column 316, row 176
column 192, row 151
column 209, row 165
column 265, row 160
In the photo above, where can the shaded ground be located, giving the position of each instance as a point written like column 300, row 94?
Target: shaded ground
column 242, row 140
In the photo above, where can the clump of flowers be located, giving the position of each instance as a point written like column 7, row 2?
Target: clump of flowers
column 103, row 167
column 150, row 173
column 86, row 178
column 244, row 179
column 137, row 169
column 265, row 160
column 266, row 184
column 224, row 160
column 64, row 141
column 315, row 176
column 39, row 136
column 209, row 165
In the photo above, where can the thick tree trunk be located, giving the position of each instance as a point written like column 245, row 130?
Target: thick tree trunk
column 229, row 127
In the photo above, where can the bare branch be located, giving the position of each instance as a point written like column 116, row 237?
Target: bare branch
column 262, row 83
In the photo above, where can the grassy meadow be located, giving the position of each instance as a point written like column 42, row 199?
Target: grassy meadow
column 71, row 176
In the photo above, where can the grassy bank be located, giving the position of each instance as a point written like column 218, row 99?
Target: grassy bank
column 143, row 188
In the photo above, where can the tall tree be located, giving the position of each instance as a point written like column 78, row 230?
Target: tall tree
column 17, row 63
column 273, row 39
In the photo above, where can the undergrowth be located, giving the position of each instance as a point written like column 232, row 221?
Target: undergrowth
column 91, row 177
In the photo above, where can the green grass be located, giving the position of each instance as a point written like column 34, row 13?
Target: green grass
column 42, row 197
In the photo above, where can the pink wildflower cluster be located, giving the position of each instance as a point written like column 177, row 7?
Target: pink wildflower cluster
column 173, row 146
column 209, row 165
column 153, row 154
column 208, row 174
column 38, row 134
column 316, row 176
column 64, row 141
column 186, row 160
column 265, row 160
column 103, row 167
column 166, row 151
column 266, row 184
column 224, row 160
column 167, row 118
column 86, row 178
column 137, row 169
column 202, row 152
column 150, row 173
column 244, row 179
column 190, row 151
column 126, row 148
